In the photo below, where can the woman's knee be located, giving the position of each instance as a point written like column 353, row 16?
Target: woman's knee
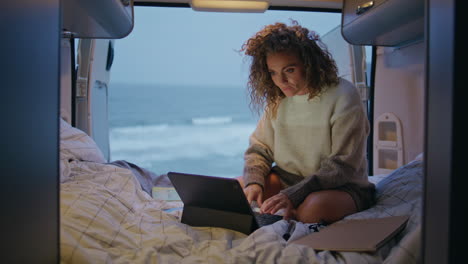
column 325, row 206
column 240, row 179
column 272, row 186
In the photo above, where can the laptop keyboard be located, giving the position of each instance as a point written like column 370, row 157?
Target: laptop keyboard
column 267, row 219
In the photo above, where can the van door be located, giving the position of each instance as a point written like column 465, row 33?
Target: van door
column 350, row 60
column 94, row 61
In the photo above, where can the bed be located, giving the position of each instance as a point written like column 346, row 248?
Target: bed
column 109, row 216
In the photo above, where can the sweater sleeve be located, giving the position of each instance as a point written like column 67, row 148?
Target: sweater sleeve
column 258, row 157
column 347, row 160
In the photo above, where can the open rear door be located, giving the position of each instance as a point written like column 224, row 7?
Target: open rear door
column 350, row 60
column 93, row 74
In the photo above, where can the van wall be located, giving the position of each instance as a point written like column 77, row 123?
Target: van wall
column 399, row 89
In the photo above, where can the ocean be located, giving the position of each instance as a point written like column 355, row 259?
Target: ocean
column 162, row 128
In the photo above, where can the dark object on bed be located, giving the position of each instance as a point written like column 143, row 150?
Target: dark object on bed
column 146, row 178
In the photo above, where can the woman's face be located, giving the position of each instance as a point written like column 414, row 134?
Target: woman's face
column 287, row 72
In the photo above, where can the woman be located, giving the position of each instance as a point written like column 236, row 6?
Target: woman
column 313, row 130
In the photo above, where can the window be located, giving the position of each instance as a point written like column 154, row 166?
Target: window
column 177, row 95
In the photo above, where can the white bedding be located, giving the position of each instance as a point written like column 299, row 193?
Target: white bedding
column 106, row 217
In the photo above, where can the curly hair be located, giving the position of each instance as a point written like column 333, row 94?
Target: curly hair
column 320, row 68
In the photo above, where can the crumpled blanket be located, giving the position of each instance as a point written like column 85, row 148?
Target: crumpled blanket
column 146, row 178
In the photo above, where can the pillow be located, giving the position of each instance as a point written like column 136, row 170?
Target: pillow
column 76, row 145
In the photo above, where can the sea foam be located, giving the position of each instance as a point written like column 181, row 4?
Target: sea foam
column 212, row 120
column 171, row 142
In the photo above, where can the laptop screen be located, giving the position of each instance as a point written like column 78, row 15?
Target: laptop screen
column 210, row 192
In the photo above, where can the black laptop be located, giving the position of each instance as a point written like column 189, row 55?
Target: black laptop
column 217, row 202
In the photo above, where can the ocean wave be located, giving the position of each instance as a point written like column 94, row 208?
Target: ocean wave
column 140, row 129
column 164, row 142
column 215, row 120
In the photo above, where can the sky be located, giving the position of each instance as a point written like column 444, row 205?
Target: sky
column 182, row 46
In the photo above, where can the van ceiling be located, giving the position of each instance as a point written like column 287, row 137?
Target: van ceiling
column 332, row 4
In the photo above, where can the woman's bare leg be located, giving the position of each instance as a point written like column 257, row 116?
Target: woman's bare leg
column 240, row 179
column 328, row 206
column 273, row 186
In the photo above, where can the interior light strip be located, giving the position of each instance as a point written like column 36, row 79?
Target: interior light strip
column 230, row 6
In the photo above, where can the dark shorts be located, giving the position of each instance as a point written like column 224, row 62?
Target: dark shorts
column 364, row 197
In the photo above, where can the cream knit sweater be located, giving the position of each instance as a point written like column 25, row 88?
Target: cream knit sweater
column 320, row 143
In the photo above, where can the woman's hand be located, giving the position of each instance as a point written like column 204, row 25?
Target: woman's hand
column 254, row 192
column 277, row 202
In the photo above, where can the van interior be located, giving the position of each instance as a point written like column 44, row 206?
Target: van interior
column 103, row 98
